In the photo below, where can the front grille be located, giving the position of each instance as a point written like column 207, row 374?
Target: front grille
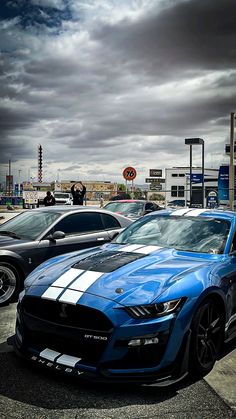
column 66, row 314
column 72, row 344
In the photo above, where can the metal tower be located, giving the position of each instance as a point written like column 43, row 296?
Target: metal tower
column 40, row 163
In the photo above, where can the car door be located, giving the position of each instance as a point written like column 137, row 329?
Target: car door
column 82, row 230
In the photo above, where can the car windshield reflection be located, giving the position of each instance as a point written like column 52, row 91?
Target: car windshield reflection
column 204, row 235
column 126, row 208
column 29, row 225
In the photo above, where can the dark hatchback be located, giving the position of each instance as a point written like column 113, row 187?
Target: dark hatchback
column 36, row 235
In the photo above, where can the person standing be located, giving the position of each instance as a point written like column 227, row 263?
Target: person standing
column 49, row 200
column 78, row 191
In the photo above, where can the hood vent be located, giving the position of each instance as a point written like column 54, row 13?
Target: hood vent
column 107, row 261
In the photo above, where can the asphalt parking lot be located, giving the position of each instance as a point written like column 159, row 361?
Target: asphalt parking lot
column 29, row 392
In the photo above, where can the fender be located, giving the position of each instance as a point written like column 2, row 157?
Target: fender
column 8, row 255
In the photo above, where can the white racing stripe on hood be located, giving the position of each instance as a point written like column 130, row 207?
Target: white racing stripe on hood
column 52, row 293
column 196, row 212
column 85, row 281
column 72, row 293
column 67, row 278
column 49, row 354
column 70, row 296
column 148, row 249
column 130, row 248
column 68, row 360
column 139, row 248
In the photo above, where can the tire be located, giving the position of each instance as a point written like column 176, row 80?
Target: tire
column 207, row 338
column 9, row 283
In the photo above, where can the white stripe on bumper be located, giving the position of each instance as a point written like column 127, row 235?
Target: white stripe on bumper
column 49, row 354
column 68, row 360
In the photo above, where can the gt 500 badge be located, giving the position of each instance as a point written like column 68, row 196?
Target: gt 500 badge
column 95, row 337
column 55, row 366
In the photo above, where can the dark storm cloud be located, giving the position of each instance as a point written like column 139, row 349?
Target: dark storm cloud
column 190, row 35
column 116, row 90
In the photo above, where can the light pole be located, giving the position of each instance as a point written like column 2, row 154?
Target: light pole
column 231, row 164
column 191, row 142
column 19, row 182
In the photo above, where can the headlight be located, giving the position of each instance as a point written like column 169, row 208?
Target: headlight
column 155, row 310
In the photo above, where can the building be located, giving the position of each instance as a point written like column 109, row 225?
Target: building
column 177, row 186
column 94, row 189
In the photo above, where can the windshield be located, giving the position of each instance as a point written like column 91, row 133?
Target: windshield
column 193, row 234
column 126, row 208
column 29, row 225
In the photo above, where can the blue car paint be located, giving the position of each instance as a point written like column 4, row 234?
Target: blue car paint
column 163, row 275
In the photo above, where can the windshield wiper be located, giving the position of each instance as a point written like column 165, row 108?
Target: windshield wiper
column 9, row 233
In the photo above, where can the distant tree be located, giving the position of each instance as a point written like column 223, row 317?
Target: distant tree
column 121, row 186
column 138, row 194
column 157, row 197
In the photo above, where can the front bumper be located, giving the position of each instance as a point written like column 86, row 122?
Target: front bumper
column 58, row 347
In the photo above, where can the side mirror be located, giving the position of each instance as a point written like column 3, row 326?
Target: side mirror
column 56, row 235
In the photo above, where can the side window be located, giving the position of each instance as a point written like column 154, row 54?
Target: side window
column 83, row 222
column 174, row 191
column 110, row 222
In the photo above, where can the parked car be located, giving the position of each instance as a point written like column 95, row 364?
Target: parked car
column 152, row 306
column 132, row 208
column 36, row 235
column 177, row 203
column 63, row 198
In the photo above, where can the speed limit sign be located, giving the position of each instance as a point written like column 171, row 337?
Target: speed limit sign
column 129, row 173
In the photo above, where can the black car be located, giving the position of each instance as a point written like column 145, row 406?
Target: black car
column 132, row 208
column 37, row 235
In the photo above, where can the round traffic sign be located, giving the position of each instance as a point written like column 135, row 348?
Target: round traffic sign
column 129, row 173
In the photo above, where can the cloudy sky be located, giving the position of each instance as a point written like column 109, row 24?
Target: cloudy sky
column 105, row 84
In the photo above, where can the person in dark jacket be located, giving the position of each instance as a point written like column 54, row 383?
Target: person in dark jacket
column 49, row 200
column 78, row 191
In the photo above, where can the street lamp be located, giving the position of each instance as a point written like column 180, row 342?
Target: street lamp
column 191, row 142
column 231, row 164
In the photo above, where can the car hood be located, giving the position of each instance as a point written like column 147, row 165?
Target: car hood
column 7, row 241
column 118, row 273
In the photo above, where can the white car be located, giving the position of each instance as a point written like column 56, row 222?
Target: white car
column 63, row 198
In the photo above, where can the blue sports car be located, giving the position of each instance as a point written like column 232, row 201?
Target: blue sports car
column 155, row 304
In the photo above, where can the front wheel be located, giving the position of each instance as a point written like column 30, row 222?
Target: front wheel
column 207, row 338
column 9, row 283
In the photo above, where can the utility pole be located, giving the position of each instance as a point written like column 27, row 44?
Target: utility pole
column 19, row 182
column 231, row 164
column 9, row 178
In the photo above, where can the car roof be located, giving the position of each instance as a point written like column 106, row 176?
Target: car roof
column 64, row 209
column 197, row 212
column 127, row 200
